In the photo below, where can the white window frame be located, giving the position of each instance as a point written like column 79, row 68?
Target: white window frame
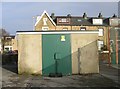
column 82, row 28
column 9, row 47
column 97, row 21
column 63, row 20
column 101, row 32
column 45, row 28
column 65, row 28
column 100, row 44
column 44, row 21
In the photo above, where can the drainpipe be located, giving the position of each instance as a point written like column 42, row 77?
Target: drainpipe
column 116, row 47
column 109, row 55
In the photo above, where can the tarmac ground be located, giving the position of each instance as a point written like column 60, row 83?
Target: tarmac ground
column 105, row 79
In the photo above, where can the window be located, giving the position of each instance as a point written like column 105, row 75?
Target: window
column 10, row 48
column 97, row 21
column 83, row 28
column 44, row 21
column 100, row 45
column 100, row 32
column 79, row 20
column 65, row 28
column 6, row 49
column 114, row 22
column 63, row 20
column 45, row 28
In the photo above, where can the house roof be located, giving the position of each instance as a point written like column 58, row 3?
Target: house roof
column 47, row 16
column 78, row 21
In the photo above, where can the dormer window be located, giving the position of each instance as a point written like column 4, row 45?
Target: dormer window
column 82, row 28
column 63, row 20
column 114, row 21
column 97, row 21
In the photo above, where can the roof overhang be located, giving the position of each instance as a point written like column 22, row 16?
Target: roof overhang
column 57, row 32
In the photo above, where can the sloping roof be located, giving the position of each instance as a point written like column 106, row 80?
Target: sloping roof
column 78, row 21
column 47, row 16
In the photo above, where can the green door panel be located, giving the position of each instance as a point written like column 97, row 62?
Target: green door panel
column 113, row 45
column 118, row 56
column 113, row 55
column 56, row 46
column 113, row 58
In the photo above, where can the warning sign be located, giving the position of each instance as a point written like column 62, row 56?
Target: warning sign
column 62, row 38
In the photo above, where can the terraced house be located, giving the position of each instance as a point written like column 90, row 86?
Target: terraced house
column 9, row 43
column 46, row 22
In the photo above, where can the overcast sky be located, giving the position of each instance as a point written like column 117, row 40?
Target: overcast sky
column 18, row 15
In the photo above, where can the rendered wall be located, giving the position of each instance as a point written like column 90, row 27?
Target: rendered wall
column 29, row 54
column 78, row 41
column 89, row 62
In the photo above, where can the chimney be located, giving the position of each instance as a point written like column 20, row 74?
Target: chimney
column 69, row 15
column 52, row 15
column 114, row 16
column 100, row 15
column 85, row 16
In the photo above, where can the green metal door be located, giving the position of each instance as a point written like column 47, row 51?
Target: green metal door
column 113, row 55
column 113, row 45
column 118, row 56
column 118, row 46
column 56, row 44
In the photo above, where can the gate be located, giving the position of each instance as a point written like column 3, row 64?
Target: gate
column 88, row 58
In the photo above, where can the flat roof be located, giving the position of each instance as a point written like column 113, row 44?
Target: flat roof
column 59, row 32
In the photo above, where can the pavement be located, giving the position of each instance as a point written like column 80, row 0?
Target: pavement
column 117, row 66
column 11, row 79
column 112, row 72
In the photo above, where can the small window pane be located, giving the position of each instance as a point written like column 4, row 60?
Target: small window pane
column 83, row 28
column 44, row 28
column 100, row 32
column 65, row 29
column 100, row 45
